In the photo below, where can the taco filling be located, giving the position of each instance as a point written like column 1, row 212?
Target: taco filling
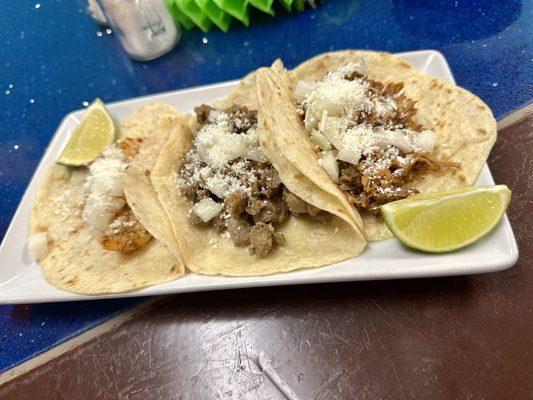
column 231, row 185
column 369, row 139
column 105, row 211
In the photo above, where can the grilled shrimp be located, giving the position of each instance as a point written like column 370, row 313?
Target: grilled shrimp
column 125, row 233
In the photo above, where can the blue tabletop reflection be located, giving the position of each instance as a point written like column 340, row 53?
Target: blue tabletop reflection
column 53, row 59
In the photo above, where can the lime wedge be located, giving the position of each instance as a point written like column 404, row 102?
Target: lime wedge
column 95, row 132
column 446, row 221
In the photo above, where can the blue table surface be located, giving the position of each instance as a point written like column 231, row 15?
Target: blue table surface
column 53, row 58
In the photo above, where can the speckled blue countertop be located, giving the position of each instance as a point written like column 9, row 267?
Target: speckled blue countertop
column 53, row 59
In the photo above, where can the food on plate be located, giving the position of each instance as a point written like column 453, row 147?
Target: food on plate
column 447, row 221
column 381, row 130
column 88, row 227
column 233, row 208
column 291, row 170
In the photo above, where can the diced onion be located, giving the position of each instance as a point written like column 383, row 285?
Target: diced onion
column 387, row 138
column 203, row 152
column 98, row 216
column 323, row 121
column 325, row 104
column 426, row 140
column 358, row 66
column 302, row 88
column 207, row 209
column 349, row 156
column 206, row 172
column 212, row 116
column 329, row 164
column 333, row 135
column 320, row 140
column 38, row 245
column 402, row 142
column 218, row 187
column 255, row 154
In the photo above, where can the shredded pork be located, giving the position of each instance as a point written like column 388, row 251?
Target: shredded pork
column 382, row 174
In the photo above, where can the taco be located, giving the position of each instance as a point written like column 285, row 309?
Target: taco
column 381, row 130
column 103, row 226
column 231, row 201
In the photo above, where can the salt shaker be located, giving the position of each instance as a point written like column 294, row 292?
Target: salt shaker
column 144, row 27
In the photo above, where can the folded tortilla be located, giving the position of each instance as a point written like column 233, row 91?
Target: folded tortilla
column 465, row 126
column 309, row 243
column 75, row 260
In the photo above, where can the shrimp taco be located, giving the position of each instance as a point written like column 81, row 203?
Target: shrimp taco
column 237, row 207
column 381, row 130
column 104, row 228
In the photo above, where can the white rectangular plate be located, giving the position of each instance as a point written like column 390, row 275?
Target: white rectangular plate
column 21, row 280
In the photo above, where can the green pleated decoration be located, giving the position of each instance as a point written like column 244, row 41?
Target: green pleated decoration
column 195, row 13
column 263, row 5
column 237, row 8
column 215, row 14
column 179, row 17
column 299, row 5
column 287, row 4
column 205, row 13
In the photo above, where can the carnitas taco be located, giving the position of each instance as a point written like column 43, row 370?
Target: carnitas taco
column 103, row 227
column 381, row 130
column 232, row 203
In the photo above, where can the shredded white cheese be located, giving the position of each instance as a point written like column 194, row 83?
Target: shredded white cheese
column 105, row 195
column 331, row 105
column 218, row 157
column 217, row 144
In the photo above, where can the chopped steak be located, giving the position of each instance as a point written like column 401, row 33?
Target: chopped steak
column 269, row 211
column 294, row 203
column 270, row 182
column 242, row 118
column 248, row 192
column 236, row 203
column 193, row 191
column 298, row 206
column 239, row 231
column 202, row 113
column 254, row 206
column 218, row 223
column 262, row 239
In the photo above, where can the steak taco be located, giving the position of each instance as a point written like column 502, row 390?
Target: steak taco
column 104, row 228
column 234, row 203
column 381, row 130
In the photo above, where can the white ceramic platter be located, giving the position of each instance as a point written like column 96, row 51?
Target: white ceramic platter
column 21, row 280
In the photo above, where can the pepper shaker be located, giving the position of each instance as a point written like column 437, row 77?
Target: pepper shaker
column 145, row 28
